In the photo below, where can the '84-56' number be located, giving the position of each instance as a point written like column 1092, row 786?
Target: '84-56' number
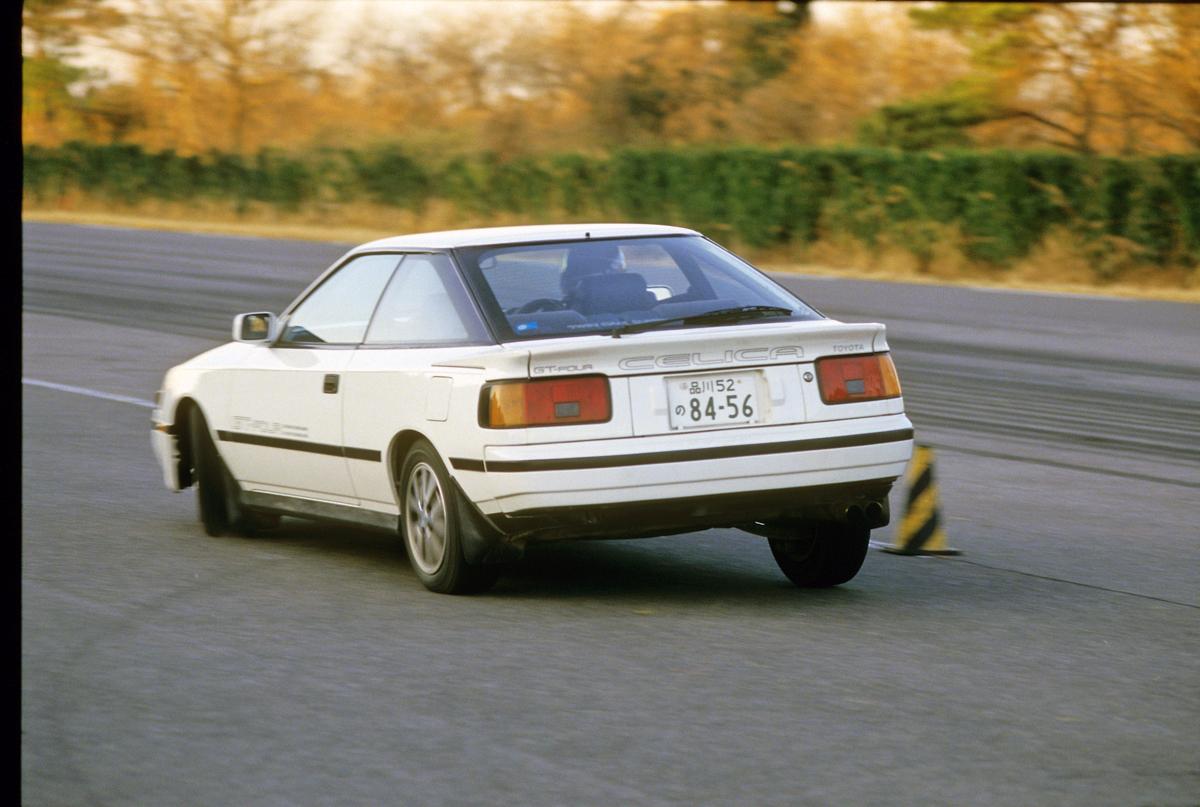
column 698, row 412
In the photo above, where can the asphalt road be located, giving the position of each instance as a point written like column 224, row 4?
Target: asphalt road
column 1057, row 661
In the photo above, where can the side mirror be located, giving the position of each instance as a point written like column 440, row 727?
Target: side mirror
column 660, row 292
column 257, row 327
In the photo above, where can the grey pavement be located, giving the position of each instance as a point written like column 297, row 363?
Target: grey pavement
column 1056, row 662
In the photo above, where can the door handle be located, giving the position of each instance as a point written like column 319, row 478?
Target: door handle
column 331, row 384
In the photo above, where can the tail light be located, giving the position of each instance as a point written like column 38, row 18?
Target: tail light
column 849, row 379
column 545, row 402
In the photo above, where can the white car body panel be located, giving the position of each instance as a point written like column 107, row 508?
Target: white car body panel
column 278, row 392
column 200, row 378
column 515, row 492
column 389, row 391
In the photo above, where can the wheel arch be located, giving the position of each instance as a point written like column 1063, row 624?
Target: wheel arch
column 482, row 541
column 402, row 441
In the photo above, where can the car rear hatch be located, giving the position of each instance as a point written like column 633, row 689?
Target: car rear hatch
column 750, row 375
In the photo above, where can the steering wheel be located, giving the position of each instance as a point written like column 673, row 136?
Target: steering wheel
column 541, row 304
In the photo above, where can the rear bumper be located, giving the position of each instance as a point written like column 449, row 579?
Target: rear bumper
column 687, row 480
column 637, row 519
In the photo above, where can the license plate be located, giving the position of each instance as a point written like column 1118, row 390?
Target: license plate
column 728, row 399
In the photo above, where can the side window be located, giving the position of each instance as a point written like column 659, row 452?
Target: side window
column 425, row 304
column 338, row 311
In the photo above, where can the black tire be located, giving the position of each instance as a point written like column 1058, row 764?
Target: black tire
column 431, row 526
column 822, row 554
column 217, row 497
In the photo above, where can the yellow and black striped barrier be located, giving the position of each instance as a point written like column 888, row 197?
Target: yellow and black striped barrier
column 921, row 533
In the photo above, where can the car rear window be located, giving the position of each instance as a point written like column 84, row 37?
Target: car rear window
column 532, row 291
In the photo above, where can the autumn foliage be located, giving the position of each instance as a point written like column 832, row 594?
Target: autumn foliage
column 238, row 75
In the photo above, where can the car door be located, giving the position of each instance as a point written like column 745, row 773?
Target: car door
column 398, row 378
column 286, row 399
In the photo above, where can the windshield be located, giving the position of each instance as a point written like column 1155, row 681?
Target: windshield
column 533, row 291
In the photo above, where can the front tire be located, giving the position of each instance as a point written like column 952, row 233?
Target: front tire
column 822, row 554
column 432, row 528
column 217, row 501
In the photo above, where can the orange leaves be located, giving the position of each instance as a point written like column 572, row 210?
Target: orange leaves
column 546, row 77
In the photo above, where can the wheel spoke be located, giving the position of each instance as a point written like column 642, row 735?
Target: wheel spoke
column 437, row 545
column 423, row 543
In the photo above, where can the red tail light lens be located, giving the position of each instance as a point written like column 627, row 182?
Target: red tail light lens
column 850, row 379
column 546, row 402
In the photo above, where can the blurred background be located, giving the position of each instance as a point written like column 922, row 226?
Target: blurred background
column 1029, row 142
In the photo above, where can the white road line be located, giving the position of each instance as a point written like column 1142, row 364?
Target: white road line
column 91, row 393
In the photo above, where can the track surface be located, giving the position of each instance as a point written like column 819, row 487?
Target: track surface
column 1056, row 662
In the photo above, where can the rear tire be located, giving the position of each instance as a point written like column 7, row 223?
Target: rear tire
column 218, row 500
column 431, row 526
column 822, row 554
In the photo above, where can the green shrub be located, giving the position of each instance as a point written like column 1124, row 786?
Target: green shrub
column 388, row 176
column 1002, row 202
column 1182, row 176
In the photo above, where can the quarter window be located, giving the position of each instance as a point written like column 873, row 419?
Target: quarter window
column 425, row 304
column 338, row 311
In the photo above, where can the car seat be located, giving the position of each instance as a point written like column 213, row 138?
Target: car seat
column 608, row 294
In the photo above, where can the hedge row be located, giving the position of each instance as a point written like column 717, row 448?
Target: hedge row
column 1001, row 201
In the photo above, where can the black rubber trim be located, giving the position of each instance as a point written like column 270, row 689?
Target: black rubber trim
column 670, row 516
column 301, row 445
column 362, row 454
column 690, row 455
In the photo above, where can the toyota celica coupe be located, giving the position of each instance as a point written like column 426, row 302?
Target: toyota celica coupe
column 483, row 390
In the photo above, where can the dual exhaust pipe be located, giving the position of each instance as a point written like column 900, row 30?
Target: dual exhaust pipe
column 871, row 514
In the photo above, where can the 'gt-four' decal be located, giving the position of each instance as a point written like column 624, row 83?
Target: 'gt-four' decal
column 242, row 423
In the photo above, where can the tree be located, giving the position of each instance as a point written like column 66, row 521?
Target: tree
column 842, row 71
column 206, row 68
column 53, row 106
column 674, row 73
column 1074, row 76
column 937, row 121
column 57, row 27
column 1164, row 85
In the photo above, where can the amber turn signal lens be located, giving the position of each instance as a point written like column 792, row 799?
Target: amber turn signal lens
column 850, row 379
column 546, row 402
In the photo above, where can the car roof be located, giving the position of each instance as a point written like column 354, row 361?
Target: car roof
column 485, row 236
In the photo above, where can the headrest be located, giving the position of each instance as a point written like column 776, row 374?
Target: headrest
column 589, row 259
column 607, row 294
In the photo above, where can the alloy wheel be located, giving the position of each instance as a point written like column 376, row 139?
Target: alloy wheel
column 425, row 518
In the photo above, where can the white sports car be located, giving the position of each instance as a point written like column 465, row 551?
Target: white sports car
column 481, row 390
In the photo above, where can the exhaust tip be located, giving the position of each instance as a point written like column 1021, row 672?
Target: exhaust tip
column 874, row 512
